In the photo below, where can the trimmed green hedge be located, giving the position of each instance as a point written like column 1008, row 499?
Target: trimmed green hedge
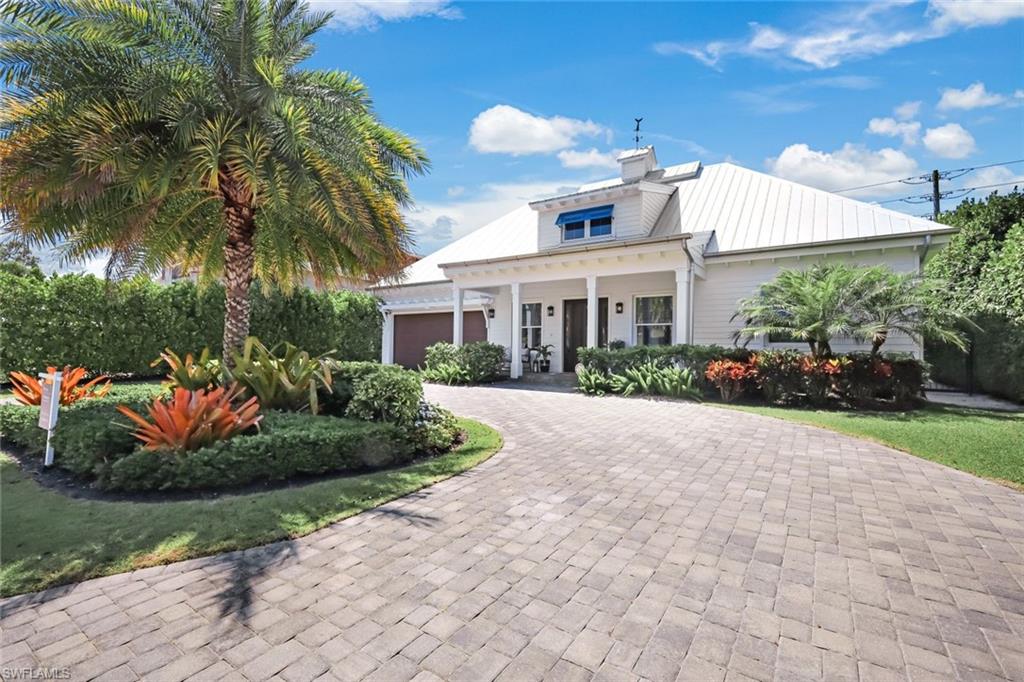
column 120, row 328
column 472, row 363
column 618, row 360
column 998, row 359
column 288, row 445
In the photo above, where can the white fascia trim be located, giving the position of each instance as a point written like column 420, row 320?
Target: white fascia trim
column 436, row 305
column 840, row 246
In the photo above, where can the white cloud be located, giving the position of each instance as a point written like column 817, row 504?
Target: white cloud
column 435, row 224
column 908, row 130
column 505, row 129
column 352, row 15
column 995, row 175
column 907, row 110
column 590, row 158
column 851, row 33
column 950, row 141
column 974, row 96
column 456, row 191
column 850, row 166
column 971, row 13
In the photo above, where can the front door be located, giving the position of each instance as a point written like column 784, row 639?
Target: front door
column 574, row 329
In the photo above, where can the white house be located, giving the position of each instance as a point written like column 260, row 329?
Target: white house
column 656, row 255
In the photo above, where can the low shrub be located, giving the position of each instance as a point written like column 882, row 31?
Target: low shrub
column 388, row 394
column 89, row 435
column 617, row 360
column 472, row 363
column 593, row 381
column 435, row 429
column 289, row 445
column 775, row 377
column 730, row 377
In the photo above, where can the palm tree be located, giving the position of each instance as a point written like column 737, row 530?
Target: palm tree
column 904, row 302
column 186, row 131
column 865, row 303
column 812, row 306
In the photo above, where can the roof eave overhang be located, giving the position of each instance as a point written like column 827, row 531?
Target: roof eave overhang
column 860, row 243
column 563, row 251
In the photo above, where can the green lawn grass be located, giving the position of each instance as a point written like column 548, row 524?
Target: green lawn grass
column 49, row 539
column 982, row 442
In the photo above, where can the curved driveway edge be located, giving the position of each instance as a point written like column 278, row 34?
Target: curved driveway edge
column 609, row 539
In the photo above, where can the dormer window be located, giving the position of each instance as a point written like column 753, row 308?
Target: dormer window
column 587, row 223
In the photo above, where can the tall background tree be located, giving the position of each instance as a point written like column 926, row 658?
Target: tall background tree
column 982, row 270
column 187, row 131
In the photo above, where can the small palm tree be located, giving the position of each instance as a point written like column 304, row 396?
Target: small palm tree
column 186, row 131
column 813, row 306
column 904, row 302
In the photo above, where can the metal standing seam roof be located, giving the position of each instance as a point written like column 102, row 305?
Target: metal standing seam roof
column 747, row 210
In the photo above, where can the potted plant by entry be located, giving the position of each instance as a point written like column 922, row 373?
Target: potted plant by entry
column 545, row 356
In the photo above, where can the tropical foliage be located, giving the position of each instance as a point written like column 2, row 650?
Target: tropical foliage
column 650, row 378
column 817, row 304
column 281, row 378
column 190, row 373
column 190, row 420
column 28, row 390
column 189, row 132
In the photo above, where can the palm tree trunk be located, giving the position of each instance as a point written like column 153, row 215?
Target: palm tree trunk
column 877, row 341
column 239, row 261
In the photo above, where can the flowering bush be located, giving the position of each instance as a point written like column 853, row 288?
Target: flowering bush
column 29, row 391
column 730, row 377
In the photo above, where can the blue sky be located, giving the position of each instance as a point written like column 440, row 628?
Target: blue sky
column 516, row 100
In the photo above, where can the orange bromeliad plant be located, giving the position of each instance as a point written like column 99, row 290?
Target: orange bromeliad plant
column 194, row 419
column 28, row 390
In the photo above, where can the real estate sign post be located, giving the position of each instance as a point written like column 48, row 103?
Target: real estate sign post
column 49, row 405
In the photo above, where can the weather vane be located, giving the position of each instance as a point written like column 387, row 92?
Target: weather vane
column 636, row 132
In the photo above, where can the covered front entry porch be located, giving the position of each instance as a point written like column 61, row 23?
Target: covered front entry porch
column 633, row 294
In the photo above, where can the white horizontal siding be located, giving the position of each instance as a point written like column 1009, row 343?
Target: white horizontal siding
column 616, row 289
column 715, row 297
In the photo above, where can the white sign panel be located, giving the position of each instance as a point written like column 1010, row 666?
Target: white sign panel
column 50, row 403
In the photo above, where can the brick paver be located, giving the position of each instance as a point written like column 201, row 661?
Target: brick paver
column 611, row 539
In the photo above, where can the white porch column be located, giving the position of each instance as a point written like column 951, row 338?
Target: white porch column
column 457, row 315
column 387, row 346
column 681, row 307
column 592, row 317
column 517, row 323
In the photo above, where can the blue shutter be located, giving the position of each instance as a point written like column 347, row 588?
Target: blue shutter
column 585, row 214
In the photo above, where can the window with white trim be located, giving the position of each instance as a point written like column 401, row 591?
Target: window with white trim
column 530, row 333
column 653, row 320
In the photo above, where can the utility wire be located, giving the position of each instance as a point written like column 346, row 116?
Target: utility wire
column 921, row 179
column 922, row 198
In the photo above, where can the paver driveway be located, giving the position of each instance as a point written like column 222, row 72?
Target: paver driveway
column 612, row 538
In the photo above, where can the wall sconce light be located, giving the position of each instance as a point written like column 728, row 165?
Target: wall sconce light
column 551, row 311
column 490, row 313
column 618, row 308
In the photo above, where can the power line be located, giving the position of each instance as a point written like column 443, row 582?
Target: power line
column 948, row 194
column 921, row 179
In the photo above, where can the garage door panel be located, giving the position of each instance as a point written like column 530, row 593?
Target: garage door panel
column 413, row 333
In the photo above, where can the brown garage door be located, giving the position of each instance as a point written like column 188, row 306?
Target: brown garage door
column 413, row 333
